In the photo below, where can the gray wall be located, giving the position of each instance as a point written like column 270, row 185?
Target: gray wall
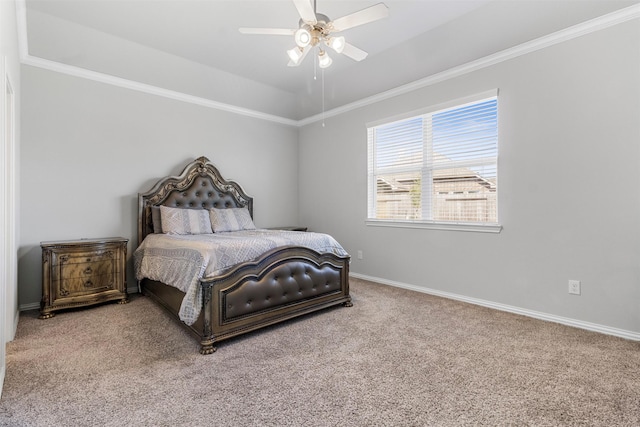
column 569, row 156
column 89, row 148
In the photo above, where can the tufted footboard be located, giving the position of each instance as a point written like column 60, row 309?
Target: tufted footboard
column 282, row 284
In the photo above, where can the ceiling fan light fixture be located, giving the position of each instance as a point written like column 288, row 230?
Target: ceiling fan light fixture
column 324, row 60
column 336, row 43
column 302, row 37
column 315, row 29
column 295, row 54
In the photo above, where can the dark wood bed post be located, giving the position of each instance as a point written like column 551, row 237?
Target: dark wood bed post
column 206, row 344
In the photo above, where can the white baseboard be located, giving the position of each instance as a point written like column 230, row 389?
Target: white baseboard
column 29, row 306
column 16, row 319
column 36, row 305
column 603, row 329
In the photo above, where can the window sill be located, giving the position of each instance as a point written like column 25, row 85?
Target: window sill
column 448, row 226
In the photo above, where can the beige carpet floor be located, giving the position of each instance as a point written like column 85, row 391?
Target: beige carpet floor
column 396, row 358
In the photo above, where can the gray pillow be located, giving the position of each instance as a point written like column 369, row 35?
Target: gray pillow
column 231, row 219
column 185, row 221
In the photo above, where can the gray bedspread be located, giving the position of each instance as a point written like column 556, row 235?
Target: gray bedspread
column 183, row 260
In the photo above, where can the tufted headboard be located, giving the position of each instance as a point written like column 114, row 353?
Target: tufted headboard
column 199, row 186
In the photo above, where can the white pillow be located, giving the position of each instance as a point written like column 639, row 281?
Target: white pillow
column 231, row 219
column 185, row 221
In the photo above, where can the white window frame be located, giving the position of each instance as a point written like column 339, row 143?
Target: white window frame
column 426, row 198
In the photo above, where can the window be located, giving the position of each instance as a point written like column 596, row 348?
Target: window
column 438, row 167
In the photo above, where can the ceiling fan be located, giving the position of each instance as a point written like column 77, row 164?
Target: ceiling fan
column 315, row 29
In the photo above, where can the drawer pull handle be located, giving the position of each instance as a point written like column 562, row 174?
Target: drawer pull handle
column 88, row 259
column 88, row 270
column 88, row 284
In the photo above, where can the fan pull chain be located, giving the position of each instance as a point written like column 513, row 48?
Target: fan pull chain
column 322, row 71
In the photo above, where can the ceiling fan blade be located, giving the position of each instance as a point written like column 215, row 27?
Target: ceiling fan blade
column 305, row 9
column 364, row 16
column 353, row 52
column 271, row 31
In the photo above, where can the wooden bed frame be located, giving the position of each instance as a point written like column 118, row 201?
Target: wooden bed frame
column 265, row 291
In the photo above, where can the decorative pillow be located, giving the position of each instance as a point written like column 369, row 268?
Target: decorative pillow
column 185, row 221
column 156, row 219
column 231, row 219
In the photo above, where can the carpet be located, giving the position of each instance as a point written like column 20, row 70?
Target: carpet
column 396, row 358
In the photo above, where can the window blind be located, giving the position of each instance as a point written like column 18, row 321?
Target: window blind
column 440, row 166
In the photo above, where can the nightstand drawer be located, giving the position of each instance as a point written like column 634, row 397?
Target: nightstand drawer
column 83, row 256
column 87, row 269
column 74, row 286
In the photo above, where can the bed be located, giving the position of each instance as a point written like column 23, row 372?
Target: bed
column 284, row 279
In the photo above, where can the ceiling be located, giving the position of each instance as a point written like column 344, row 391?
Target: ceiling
column 195, row 47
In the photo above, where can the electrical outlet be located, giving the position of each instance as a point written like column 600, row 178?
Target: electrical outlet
column 574, row 287
column 359, row 254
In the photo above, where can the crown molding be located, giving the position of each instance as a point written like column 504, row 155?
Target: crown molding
column 27, row 59
column 587, row 27
column 150, row 89
column 578, row 30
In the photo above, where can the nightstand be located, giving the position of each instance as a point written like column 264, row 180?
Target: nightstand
column 288, row 228
column 77, row 273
